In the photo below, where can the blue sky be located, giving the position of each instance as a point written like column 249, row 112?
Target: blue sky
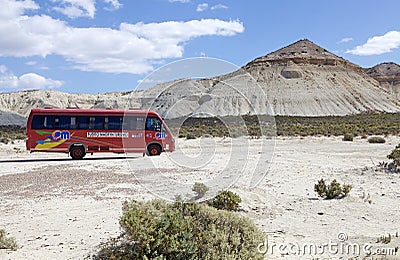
column 96, row 46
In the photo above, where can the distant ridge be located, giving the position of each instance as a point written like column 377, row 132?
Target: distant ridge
column 10, row 118
column 301, row 79
column 388, row 75
column 385, row 71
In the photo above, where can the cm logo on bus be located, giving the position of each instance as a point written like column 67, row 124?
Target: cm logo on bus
column 61, row 135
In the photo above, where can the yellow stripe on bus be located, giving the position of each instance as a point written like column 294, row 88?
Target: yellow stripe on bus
column 49, row 145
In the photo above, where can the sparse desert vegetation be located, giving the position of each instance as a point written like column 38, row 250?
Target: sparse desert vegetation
column 181, row 230
column 348, row 137
column 7, row 242
column 200, row 189
column 394, row 164
column 356, row 125
column 226, row 200
column 11, row 133
column 334, row 190
column 363, row 125
column 376, row 140
column 87, row 195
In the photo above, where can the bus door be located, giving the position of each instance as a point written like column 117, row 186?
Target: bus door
column 135, row 126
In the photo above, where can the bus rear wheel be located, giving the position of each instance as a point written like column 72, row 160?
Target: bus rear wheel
column 77, row 152
column 153, row 150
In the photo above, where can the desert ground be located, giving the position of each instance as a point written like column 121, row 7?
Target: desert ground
column 57, row 208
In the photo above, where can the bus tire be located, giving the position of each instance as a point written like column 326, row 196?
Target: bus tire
column 153, row 149
column 77, row 152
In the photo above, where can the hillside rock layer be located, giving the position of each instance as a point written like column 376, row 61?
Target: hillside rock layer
column 301, row 79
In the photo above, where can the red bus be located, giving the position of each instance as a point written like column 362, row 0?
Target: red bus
column 82, row 131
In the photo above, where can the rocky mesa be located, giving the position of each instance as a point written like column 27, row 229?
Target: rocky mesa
column 302, row 79
column 388, row 75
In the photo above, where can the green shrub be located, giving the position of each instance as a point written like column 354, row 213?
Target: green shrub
column 4, row 140
column 226, row 200
column 384, row 239
column 359, row 124
column 376, row 140
column 7, row 242
column 393, row 166
column 157, row 230
column 200, row 189
column 395, row 155
column 332, row 191
column 190, row 136
column 348, row 137
column 10, row 133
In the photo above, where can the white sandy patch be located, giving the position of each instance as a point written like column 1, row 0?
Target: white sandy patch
column 63, row 209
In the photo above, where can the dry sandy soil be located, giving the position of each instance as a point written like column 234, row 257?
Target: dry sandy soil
column 59, row 208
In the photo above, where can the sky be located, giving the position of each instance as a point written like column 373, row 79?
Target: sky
column 97, row 46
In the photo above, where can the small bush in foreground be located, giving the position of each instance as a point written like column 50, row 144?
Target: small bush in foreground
column 376, row 140
column 158, row 230
column 226, row 200
column 394, row 165
column 332, row 191
column 200, row 188
column 384, row 239
column 348, row 137
column 7, row 242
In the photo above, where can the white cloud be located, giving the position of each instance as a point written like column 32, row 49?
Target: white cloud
column 26, row 81
column 132, row 48
column 344, row 40
column 378, row 45
column 76, row 8
column 31, row 63
column 114, row 4
column 3, row 69
column 218, row 6
column 202, row 7
column 11, row 9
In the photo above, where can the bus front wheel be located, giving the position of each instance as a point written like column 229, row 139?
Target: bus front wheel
column 77, row 152
column 153, row 149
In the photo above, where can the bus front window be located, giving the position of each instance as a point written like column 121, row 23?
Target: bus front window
column 153, row 124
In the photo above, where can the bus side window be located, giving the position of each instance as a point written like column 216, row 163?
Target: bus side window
column 48, row 122
column 140, row 125
column 64, row 122
column 129, row 123
column 115, row 122
column 37, row 122
column 97, row 123
column 83, row 122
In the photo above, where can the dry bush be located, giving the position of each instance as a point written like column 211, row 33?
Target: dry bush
column 348, row 137
column 200, row 189
column 226, row 200
column 158, row 230
column 376, row 140
column 332, row 191
column 7, row 242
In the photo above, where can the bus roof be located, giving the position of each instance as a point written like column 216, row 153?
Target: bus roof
column 78, row 111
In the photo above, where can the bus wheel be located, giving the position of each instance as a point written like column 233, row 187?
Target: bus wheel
column 154, row 149
column 77, row 152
